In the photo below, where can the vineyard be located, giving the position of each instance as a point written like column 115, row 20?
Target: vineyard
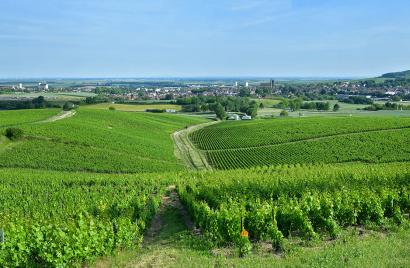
column 308, row 201
column 18, row 117
column 307, row 140
column 100, row 141
column 57, row 218
column 233, row 135
column 93, row 185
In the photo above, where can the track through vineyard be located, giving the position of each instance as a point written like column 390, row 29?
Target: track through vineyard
column 186, row 151
column 60, row 116
column 170, row 223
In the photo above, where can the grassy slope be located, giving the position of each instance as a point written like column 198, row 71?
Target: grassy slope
column 101, row 141
column 17, row 117
column 133, row 107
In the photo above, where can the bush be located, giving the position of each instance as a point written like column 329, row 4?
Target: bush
column 68, row 106
column 111, row 108
column 284, row 113
column 14, row 133
column 155, row 110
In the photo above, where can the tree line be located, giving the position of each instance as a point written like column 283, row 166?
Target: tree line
column 219, row 105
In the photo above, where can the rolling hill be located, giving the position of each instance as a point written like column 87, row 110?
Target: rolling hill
column 396, row 75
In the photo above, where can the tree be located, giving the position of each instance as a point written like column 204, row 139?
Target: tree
column 261, row 106
column 295, row 104
column 39, row 102
column 252, row 109
column 244, row 92
column 284, row 113
column 336, row 107
column 68, row 106
column 220, row 111
column 169, row 97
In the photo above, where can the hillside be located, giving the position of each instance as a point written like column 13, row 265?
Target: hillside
column 395, row 75
column 304, row 140
column 99, row 141
column 105, row 188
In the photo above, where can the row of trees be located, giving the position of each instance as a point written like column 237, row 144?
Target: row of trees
column 387, row 106
column 219, row 105
column 298, row 104
column 36, row 103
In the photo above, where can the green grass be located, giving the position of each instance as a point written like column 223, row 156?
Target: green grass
column 18, row 117
column 304, row 140
column 346, row 110
column 100, row 141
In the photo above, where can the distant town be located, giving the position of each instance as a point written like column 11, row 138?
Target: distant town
column 385, row 87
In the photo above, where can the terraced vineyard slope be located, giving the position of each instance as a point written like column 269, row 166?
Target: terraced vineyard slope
column 304, row 140
column 100, row 141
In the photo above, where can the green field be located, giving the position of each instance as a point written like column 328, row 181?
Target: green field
column 18, row 117
column 69, row 218
column 346, row 109
column 304, row 140
column 100, row 141
column 105, row 188
column 57, row 96
column 135, row 107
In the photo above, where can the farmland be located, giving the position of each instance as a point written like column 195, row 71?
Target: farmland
column 59, row 218
column 12, row 118
column 106, row 188
column 135, row 107
column 99, row 141
column 304, row 140
column 313, row 202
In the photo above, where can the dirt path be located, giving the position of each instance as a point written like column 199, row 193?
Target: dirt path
column 62, row 115
column 171, row 224
column 160, row 223
column 186, row 151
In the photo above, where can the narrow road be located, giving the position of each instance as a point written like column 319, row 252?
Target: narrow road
column 60, row 116
column 186, row 151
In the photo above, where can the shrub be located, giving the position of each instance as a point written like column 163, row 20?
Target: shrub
column 68, row 106
column 155, row 110
column 284, row 113
column 111, row 108
column 14, row 133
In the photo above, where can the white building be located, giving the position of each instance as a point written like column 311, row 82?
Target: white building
column 43, row 86
column 247, row 84
column 391, row 93
column 234, row 117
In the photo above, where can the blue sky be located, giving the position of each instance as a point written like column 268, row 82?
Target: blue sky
column 169, row 38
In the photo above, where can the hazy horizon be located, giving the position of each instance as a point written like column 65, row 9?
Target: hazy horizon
column 181, row 38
